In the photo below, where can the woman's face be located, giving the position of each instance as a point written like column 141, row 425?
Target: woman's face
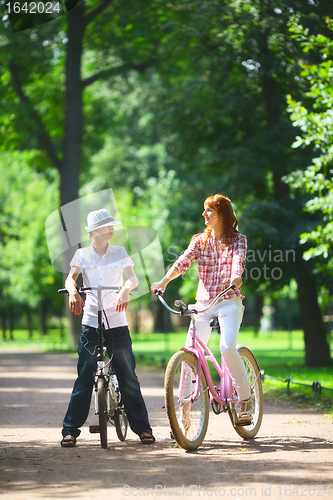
column 212, row 217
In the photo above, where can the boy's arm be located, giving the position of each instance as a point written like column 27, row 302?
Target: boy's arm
column 180, row 266
column 172, row 274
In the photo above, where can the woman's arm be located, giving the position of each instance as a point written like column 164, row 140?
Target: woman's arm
column 122, row 299
column 180, row 266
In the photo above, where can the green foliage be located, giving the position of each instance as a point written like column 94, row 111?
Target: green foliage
column 179, row 100
column 280, row 355
column 32, row 87
column 315, row 119
column 27, row 198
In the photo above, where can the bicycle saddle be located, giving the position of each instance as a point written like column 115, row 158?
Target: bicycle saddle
column 214, row 322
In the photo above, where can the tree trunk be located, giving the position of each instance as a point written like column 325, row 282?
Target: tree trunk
column 70, row 168
column 29, row 323
column 42, row 318
column 136, row 319
column 317, row 351
column 11, row 323
column 258, row 305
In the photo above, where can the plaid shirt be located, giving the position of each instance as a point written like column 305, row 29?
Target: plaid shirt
column 216, row 270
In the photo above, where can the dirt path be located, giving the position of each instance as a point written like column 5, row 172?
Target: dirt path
column 294, row 447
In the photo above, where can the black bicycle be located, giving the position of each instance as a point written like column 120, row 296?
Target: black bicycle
column 108, row 403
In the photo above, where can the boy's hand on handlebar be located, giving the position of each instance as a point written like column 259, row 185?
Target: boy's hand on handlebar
column 158, row 285
column 237, row 282
column 75, row 302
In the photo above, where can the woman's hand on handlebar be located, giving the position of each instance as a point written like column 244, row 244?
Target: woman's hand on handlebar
column 122, row 300
column 237, row 282
column 75, row 302
column 158, row 285
column 162, row 284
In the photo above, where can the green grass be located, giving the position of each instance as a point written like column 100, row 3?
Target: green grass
column 279, row 355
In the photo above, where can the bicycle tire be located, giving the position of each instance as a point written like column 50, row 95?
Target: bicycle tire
column 102, row 412
column 257, row 396
column 120, row 423
column 189, row 430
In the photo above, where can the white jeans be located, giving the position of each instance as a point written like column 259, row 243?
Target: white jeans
column 230, row 314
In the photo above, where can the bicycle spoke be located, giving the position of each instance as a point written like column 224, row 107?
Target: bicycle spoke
column 253, row 374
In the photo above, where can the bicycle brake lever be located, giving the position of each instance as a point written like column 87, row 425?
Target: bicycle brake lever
column 159, row 291
column 136, row 289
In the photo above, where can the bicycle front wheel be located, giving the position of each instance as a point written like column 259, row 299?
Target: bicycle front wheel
column 121, row 424
column 188, row 419
column 102, row 412
column 257, row 395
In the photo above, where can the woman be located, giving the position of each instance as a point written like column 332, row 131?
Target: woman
column 221, row 254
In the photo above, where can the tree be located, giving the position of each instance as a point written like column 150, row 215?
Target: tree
column 314, row 118
column 46, row 72
column 28, row 280
column 228, row 99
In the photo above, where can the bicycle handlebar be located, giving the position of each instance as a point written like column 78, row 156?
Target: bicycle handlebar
column 184, row 311
column 82, row 289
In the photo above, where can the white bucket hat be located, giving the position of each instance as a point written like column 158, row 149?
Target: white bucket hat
column 100, row 218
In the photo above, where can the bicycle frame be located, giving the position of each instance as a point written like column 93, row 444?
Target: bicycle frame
column 104, row 378
column 222, row 394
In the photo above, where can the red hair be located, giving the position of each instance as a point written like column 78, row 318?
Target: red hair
column 224, row 207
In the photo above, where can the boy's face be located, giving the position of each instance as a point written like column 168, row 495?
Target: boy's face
column 211, row 216
column 103, row 234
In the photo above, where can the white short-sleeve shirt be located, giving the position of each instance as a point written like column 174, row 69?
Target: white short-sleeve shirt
column 106, row 271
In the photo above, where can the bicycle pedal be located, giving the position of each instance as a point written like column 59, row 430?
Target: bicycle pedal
column 94, row 429
column 243, row 424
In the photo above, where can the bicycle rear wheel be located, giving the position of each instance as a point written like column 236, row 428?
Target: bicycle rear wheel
column 120, row 423
column 257, row 396
column 102, row 412
column 188, row 419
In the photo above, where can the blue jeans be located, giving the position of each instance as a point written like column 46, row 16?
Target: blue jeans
column 118, row 343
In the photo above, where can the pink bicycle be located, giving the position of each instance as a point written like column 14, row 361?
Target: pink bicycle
column 189, row 388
